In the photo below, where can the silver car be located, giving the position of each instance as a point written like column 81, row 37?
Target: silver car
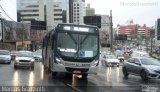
column 38, row 55
column 111, row 60
column 5, row 56
column 144, row 67
column 24, row 58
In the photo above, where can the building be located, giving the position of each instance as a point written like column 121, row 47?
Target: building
column 70, row 11
column 134, row 31
column 77, row 11
column 30, row 10
column 102, row 22
column 90, row 11
column 16, row 34
column 53, row 13
column 157, row 32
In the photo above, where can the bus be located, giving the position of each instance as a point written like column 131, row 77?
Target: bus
column 72, row 49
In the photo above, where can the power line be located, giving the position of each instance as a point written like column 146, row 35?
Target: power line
column 6, row 13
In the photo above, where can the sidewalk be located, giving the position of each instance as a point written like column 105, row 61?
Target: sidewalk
column 155, row 56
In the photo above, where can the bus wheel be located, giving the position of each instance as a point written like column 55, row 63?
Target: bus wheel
column 84, row 76
column 49, row 68
column 54, row 74
column 68, row 75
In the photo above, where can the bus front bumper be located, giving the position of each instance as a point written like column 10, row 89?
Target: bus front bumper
column 80, row 70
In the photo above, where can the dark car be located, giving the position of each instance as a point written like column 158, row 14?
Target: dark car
column 144, row 67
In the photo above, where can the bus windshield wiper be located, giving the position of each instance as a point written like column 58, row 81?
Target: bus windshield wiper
column 72, row 38
column 84, row 39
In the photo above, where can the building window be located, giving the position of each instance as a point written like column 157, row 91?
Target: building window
column 77, row 4
column 30, row 15
column 57, row 14
column 77, row 7
column 57, row 18
column 57, row 9
column 77, row 10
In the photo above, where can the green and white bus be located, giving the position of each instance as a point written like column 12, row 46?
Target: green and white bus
column 71, row 48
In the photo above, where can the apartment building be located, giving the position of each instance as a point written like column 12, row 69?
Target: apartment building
column 30, row 10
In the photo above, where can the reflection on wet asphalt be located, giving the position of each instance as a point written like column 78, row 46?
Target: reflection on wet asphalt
column 108, row 78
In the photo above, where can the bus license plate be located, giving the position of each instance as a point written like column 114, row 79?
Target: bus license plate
column 75, row 71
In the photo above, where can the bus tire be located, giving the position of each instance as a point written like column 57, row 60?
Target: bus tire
column 84, row 76
column 54, row 74
column 49, row 67
column 68, row 75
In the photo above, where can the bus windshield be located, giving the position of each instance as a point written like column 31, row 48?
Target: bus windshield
column 77, row 45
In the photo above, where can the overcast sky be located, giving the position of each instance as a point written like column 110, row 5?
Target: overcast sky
column 141, row 11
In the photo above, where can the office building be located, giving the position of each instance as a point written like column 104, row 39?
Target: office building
column 28, row 10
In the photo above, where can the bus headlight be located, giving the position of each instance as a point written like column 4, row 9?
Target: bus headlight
column 58, row 61
column 94, row 63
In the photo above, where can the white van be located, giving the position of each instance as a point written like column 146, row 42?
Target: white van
column 139, row 54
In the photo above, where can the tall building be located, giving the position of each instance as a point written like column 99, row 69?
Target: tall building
column 102, row 22
column 56, row 12
column 157, row 29
column 90, row 11
column 70, row 11
column 157, row 32
column 77, row 11
column 30, row 10
column 53, row 13
column 134, row 31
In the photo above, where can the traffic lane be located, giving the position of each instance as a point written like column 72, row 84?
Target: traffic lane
column 111, row 79
column 107, row 78
column 24, row 76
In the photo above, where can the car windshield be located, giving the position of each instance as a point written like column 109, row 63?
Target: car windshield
column 24, row 54
column 150, row 61
column 4, row 52
column 38, row 52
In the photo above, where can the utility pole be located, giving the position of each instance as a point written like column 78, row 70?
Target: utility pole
column 151, row 43
column 22, row 34
column 111, row 31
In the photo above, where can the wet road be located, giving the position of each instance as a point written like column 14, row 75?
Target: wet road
column 108, row 79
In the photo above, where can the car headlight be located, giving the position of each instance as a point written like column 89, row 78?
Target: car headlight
column 16, row 59
column 32, row 60
column 151, row 70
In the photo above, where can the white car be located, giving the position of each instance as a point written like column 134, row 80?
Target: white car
column 24, row 58
column 111, row 60
column 38, row 55
column 5, row 56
